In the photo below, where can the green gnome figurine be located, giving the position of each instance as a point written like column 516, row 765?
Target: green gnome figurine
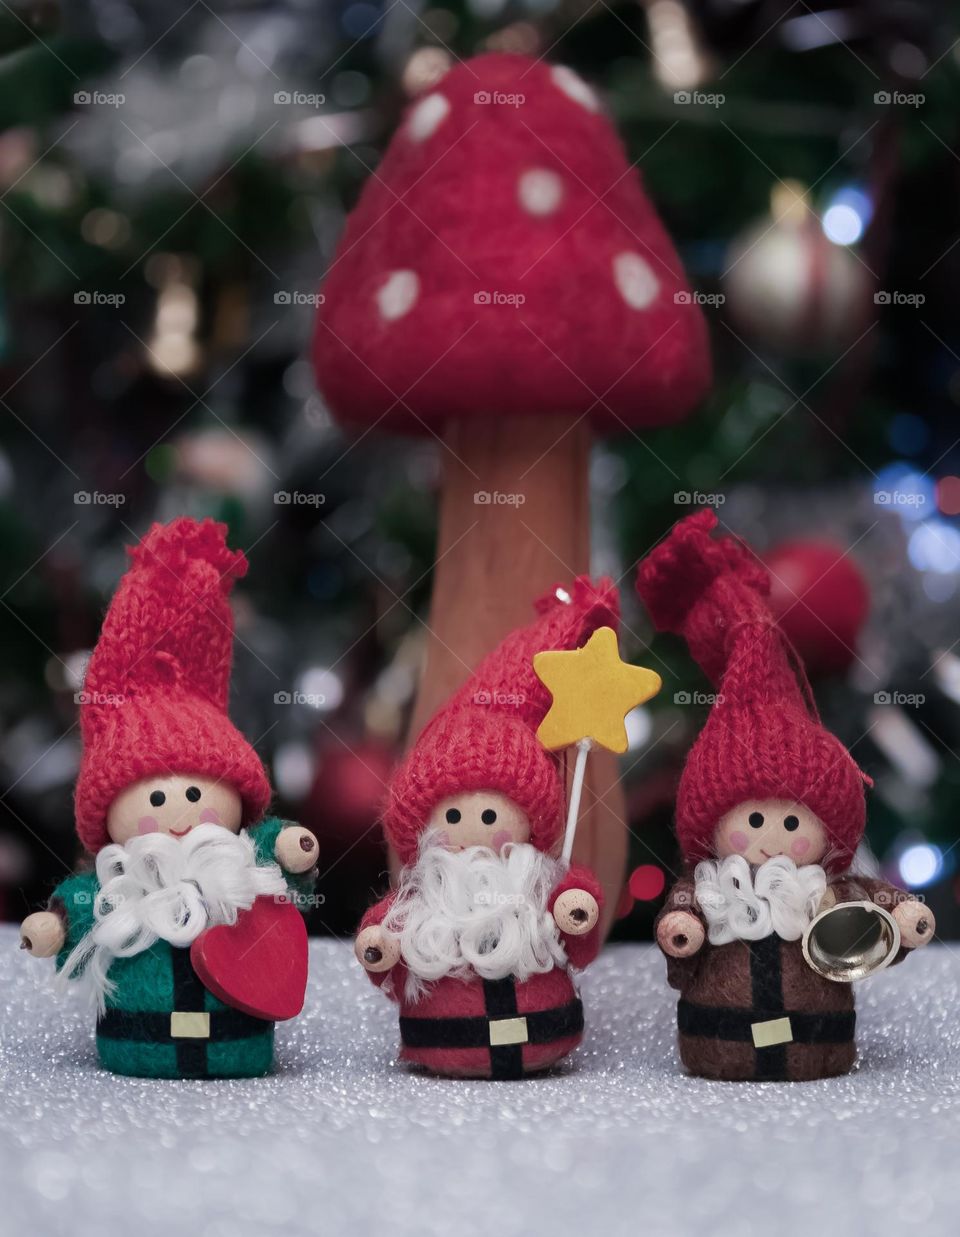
column 186, row 933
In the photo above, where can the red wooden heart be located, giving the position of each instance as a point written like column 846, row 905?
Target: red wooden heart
column 259, row 964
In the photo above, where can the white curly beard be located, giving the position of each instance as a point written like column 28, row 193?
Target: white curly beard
column 158, row 887
column 740, row 905
column 475, row 912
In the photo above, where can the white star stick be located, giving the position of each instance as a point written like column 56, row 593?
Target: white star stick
column 576, row 790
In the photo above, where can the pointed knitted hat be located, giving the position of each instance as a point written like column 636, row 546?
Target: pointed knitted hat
column 484, row 738
column 154, row 699
column 763, row 738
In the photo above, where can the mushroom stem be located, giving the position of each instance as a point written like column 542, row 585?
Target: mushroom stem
column 494, row 558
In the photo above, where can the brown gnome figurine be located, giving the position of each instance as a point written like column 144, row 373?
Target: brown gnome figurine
column 477, row 942
column 770, row 810
column 183, row 930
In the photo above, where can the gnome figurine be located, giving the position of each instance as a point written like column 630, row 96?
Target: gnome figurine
column 478, row 941
column 770, row 809
column 184, row 934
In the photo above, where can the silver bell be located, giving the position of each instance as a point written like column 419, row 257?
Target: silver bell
column 851, row 940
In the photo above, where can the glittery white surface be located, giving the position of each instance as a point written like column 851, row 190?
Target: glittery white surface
column 342, row 1141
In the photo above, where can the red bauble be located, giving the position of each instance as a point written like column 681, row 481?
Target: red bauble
column 821, row 600
column 348, row 793
column 647, row 882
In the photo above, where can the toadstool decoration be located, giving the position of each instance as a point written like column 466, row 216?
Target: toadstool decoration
column 505, row 285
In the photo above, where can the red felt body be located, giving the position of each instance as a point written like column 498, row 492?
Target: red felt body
column 259, row 964
column 515, row 312
column 456, row 998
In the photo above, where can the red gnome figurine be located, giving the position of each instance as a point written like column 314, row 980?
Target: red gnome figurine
column 770, row 810
column 184, row 933
column 477, row 942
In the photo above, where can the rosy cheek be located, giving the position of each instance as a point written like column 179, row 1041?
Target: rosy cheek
column 443, row 838
column 739, row 841
column 147, row 824
column 800, row 847
column 210, row 816
column 501, row 838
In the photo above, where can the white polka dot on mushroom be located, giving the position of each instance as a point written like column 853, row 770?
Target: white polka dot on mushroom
column 539, row 191
column 398, row 295
column 427, row 117
column 635, row 281
column 574, row 87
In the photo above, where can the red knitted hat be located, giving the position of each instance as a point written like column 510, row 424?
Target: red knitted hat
column 763, row 738
column 154, row 698
column 484, row 738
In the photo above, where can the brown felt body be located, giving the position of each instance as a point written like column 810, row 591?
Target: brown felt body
column 719, row 977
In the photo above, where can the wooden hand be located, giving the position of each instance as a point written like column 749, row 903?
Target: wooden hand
column 576, row 912
column 680, row 934
column 916, row 923
column 376, row 949
column 296, row 849
column 42, row 934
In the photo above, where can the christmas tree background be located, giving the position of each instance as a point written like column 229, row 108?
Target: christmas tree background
column 173, row 181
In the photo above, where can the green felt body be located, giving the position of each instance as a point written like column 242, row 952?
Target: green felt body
column 145, row 983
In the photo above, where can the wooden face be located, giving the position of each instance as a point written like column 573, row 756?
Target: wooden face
column 758, row 829
column 173, row 805
column 480, row 818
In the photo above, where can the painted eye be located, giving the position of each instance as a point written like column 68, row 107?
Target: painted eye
column 192, row 793
column 790, row 823
column 755, row 819
column 157, row 798
column 488, row 816
column 453, row 816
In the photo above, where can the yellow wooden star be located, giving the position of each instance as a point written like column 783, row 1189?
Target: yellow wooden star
column 593, row 691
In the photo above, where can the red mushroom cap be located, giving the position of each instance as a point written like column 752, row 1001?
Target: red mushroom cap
column 505, row 260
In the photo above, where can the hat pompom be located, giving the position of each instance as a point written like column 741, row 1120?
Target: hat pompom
column 691, row 582
column 195, row 546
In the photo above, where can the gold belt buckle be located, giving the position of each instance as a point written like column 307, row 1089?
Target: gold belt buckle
column 508, row 1031
column 189, row 1025
column 774, row 1031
